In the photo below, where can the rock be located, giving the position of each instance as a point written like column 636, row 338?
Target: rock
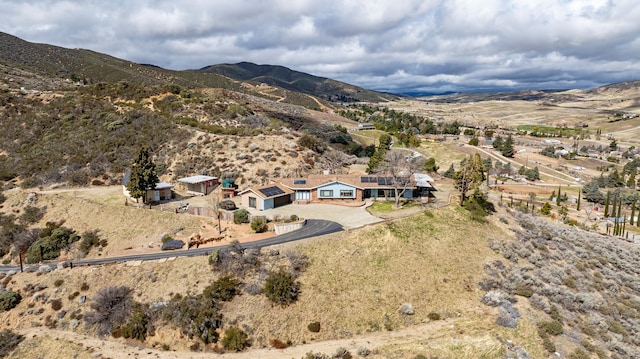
column 407, row 309
column 233, row 144
column 254, row 146
column 73, row 323
column 61, row 314
column 12, row 272
column 44, row 269
column 82, row 299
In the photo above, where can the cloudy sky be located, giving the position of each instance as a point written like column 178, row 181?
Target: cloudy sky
column 390, row 45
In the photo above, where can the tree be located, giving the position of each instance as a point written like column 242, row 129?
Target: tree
column 399, row 169
column 546, row 209
column 591, row 192
column 469, row 177
column 606, row 204
column 449, row 172
column 143, row 176
column 507, row 148
column 377, row 158
column 430, row 165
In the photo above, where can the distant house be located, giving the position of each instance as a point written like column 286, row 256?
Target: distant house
column 161, row 191
column 366, row 126
column 266, row 197
column 199, row 185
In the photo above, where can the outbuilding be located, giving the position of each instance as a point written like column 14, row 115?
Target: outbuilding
column 199, row 185
column 266, row 197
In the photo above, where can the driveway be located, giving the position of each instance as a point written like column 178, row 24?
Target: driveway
column 348, row 217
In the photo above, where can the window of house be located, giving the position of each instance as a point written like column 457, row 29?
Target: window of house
column 348, row 193
column 326, row 193
column 252, row 202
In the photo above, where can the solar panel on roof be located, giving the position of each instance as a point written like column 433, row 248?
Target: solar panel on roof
column 367, row 179
column 301, row 181
column 384, row 181
column 271, row 191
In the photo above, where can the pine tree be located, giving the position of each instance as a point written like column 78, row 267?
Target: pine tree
column 507, row 148
column 615, row 206
column 143, row 175
column 559, row 194
column 470, row 176
column 578, row 204
column 633, row 211
column 606, row 204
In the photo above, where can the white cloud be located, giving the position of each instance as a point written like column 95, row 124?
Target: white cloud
column 381, row 44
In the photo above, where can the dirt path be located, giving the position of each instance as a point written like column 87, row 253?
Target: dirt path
column 118, row 348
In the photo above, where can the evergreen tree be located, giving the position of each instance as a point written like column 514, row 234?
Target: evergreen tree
column 449, row 173
column 633, row 211
column 507, row 148
column 606, row 204
column 559, row 195
column 498, row 143
column 614, row 207
column 470, row 176
column 578, row 204
column 143, row 175
column 378, row 156
column 631, row 181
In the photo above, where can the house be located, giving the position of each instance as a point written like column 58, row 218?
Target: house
column 354, row 187
column 266, row 197
column 161, row 191
column 366, row 126
column 199, row 185
column 228, row 188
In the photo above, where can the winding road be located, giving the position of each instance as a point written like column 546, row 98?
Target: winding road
column 313, row 228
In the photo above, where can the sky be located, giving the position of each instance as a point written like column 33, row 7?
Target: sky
column 398, row 46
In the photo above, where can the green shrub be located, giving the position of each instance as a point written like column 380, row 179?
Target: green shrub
column 434, row 316
column 314, row 327
column 196, row 317
column 546, row 209
column 9, row 300
column 579, row 354
column 281, row 288
column 524, row 292
column 549, row 328
column 84, row 287
column 294, row 217
column 52, row 239
column 137, row 326
column 9, row 340
column 241, row 216
column 89, row 240
column 259, row 225
column 548, row 345
column 235, row 339
column 223, row 289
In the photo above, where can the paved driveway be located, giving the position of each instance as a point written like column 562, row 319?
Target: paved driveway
column 349, row 217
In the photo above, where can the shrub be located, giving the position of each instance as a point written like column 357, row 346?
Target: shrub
column 281, row 288
column 9, row 300
column 196, row 317
column 579, row 354
column 137, row 326
column 548, row 345
column 52, row 239
column 89, row 240
column 259, row 225
column 84, row 287
column 433, row 316
column 224, row 289
column 9, row 340
column 524, row 292
column 549, row 328
column 546, row 209
column 278, row 344
column 342, row 353
column 58, row 282
column 56, row 304
column 241, row 216
column 111, row 307
column 363, row 352
column 235, row 339
column 314, row 327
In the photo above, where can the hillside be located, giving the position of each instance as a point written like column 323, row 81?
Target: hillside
column 280, row 76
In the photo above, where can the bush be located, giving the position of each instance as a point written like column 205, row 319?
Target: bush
column 223, row 289
column 111, row 307
column 281, row 288
column 548, row 345
column 546, row 209
column 549, row 328
column 58, row 282
column 52, row 239
column 9, row 300
column 89, row 240
column 196, row 317
column 9, row 340
column 84, row 287
column 235, row 339
column 259, row 225
column 314, row 327
column 56, row 304
column 241, row 216
column 278, row 344
column 434, row 316
column 137, row 326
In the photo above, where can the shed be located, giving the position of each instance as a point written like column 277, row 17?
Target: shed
column 200, row 185
column 161, row 191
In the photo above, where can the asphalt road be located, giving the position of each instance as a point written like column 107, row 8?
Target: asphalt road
column 313, row 228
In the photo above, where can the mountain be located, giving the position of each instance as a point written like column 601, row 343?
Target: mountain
column 291, row 80
column 48, row 65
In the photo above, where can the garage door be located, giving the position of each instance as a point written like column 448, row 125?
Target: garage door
column 281, row 201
